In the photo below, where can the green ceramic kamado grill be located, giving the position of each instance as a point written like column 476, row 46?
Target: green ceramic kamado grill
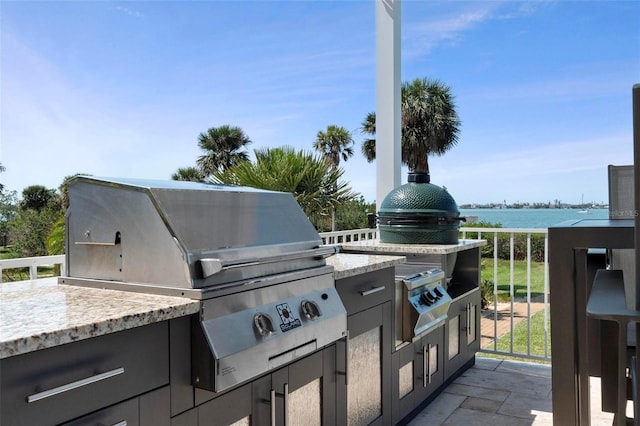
column 419, row 212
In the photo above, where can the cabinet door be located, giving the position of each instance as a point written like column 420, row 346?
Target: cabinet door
column 430, row 363
column 404, row 380
column 462, row 331
column 232, row 408
column 302, row 393
column 454, row 333
column 473, row 324
column 366, row 387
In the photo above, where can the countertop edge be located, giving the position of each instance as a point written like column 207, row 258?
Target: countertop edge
column 348, row 265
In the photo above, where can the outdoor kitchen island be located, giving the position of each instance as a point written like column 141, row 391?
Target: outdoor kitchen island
column 75, row 355
column 437, row 330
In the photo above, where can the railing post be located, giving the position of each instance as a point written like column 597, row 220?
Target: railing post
column 33, row 272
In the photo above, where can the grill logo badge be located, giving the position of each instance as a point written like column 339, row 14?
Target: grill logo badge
column 288, row 320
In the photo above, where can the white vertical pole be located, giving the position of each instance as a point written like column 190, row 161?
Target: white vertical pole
column 388, row 154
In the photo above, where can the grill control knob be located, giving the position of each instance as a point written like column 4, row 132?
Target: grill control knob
column 424, row 298
column 438, row 292
column 263, row 324
column 310, row 309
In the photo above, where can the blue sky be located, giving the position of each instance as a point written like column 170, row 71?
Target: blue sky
column 543, row 89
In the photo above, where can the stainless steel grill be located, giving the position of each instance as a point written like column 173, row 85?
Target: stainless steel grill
column 250, row 255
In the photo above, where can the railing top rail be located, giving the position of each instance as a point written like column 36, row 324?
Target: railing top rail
column 506, row 230
column 22, row 262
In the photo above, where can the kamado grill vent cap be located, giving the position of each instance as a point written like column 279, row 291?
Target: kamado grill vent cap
column 419, row 212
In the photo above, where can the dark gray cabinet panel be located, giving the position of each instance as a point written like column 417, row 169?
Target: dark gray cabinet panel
column 430, row 363
column 226, row 409
column 155, row 408
column 462, row 337
column 365, row 398
column 418, row 371
column 182, row 393
column 366, row 290
column 124, row 412
column 150, row 409
column 188, row 418
column 301, row 393
column 58, row 384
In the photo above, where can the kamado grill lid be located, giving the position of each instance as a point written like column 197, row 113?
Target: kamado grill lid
column 419, row 212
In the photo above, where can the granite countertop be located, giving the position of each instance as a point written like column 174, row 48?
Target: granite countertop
column 41, row 313
column 348, row 265
column 378, row 247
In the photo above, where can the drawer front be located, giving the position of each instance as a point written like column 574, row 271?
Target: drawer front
column 366, row 290
column 125, row 413
column 65, row 382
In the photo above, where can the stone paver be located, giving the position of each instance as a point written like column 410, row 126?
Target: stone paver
column 500, row 392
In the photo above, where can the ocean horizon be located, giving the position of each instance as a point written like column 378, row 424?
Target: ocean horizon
column 531, row 218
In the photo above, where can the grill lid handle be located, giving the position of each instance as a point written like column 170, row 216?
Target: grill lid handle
column 211, row 266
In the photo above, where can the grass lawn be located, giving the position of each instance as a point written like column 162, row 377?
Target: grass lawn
column 519, row 278
column 520, row 335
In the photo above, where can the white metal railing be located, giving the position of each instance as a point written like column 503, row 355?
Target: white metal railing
column 337, row 237
column 516, row 312
column 501, row 319
column 32, row 263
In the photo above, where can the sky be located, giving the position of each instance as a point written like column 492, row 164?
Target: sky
column 542, row 89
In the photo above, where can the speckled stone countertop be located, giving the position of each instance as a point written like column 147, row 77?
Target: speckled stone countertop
column 348, row 265
column 41, row 313
column 378, row 247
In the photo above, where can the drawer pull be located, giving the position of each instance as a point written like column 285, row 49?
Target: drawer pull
column 74, row 385
column 373, row 290
column 122, row 423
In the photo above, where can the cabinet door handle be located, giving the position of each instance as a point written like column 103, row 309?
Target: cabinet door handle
column 373, row 290
column 429, row 363
column 345, row 373
column 346, row 359
column 468, row 320
column 74, row 385
column 425, row 365
column 273, row 407
column 286, row 404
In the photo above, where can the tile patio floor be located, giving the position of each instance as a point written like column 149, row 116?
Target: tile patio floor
column 500, row 392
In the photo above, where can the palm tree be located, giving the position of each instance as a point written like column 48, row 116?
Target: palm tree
column 223, row 148
column 369, row 145
column 191, row 174
column 316, row 185
column 334, row 144
column 430, row 124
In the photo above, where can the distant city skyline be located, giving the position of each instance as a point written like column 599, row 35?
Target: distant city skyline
column 543, row 89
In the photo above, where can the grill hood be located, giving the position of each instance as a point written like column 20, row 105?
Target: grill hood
column 184, row 234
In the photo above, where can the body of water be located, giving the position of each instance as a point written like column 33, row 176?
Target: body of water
column 532, row 218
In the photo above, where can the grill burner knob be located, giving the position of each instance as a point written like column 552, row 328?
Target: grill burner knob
column 263, row 324
column 424, row 298
column 438, row 292
column 310, row 309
